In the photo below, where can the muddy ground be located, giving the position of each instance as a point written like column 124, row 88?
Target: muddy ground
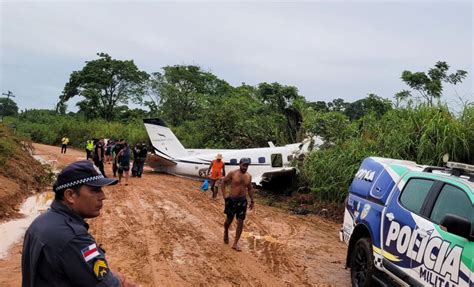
column 162, row 231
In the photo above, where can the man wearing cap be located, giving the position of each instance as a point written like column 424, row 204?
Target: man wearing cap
column 58, row 249
column 216, row 171
column 236, row 201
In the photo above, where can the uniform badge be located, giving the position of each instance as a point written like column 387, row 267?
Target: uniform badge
column 100, row 268
column 90, row 252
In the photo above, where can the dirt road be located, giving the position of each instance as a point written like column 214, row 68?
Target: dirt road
column 162, row 231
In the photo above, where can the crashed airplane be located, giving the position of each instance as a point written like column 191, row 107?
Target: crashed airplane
column 267, row 163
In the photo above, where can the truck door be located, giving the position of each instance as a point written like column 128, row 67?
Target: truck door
column 398, row 225
column 442, row 257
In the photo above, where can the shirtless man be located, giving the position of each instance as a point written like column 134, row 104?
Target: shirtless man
column 236, row 201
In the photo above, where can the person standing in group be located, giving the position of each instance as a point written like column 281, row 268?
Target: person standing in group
column 58, row 249
column 141, row 158
column 216, row 171
column 123, row 162
column 64, row 143
column 108, row 151
column 115, row 150
column 99, row 155
column 89, row 148
column 236, row 202
column 135, row 151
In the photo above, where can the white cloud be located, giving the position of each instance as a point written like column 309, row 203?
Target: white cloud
column 326, row 49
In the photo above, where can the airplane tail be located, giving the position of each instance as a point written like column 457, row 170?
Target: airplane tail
column 165, row 143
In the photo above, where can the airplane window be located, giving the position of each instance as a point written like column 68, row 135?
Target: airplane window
column 233, row 161
column 250, row 160
column 261, row 159
column 290, row 157
column 277, row 160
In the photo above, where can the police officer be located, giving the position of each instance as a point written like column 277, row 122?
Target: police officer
column 58, row 249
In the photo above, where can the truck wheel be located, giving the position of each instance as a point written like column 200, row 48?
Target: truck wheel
column 362, row 263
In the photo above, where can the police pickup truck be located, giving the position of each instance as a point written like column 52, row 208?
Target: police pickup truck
column 410, row 225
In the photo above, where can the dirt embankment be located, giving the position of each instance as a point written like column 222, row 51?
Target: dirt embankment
column 160, row 230
column 20, row 174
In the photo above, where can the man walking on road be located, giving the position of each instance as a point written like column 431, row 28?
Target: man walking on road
column 216, row 171
column 58, row 249
column 89, row 148
column 123, row 162
column 236, row 201
column 64, row 142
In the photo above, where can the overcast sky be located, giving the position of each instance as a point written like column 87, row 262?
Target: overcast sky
column 327, row 50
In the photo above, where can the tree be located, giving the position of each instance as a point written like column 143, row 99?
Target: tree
column 8, row 107
column 280, row 99
column 429, row 85
column 319, row 106
column 184, row 91
column 372, row 103
column 105, row 83
column 337, row 105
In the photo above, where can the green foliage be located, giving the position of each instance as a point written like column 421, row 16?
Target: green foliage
column 337, row 105
column 8, row 107
column 280, row 99
column 205, row 111
column 8, row 144
column 105, row 83
column 422, row 134
column 371, row 104
column 184, row 91
column 430, row 85
column 328, row 172
column 45, row 126
column 331, row 126
column 235, row 123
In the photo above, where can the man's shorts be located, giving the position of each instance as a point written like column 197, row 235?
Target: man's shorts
column 122, row 168
column 236, row 206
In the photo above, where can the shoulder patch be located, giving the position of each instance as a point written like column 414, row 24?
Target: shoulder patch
column 100, row 268
column 90, row 252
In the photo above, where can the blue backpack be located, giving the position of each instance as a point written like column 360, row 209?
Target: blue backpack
column 205, row 185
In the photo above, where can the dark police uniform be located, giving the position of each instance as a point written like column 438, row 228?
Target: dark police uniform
column 59, row 251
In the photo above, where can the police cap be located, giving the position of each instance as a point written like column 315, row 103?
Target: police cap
column 79, row 173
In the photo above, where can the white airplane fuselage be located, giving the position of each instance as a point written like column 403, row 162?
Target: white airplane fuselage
column 171, row 157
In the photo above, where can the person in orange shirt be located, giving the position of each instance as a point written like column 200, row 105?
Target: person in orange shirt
column 216, row 172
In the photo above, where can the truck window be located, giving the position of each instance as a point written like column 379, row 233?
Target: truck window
column 277, row 160
column 414, row 194
column 452, row 200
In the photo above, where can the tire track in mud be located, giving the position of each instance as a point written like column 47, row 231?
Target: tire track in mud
column 209, row 245
column 162, row 231
column 267, row 251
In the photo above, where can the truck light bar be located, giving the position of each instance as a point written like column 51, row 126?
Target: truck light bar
column 462, row 166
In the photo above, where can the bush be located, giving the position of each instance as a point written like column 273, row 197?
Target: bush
column 422, row 134
column 47, row 127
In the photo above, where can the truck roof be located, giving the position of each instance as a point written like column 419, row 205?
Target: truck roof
column 459, row 172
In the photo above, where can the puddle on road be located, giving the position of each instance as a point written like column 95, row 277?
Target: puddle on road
column 12, row 231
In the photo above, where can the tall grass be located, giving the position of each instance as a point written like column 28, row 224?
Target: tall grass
column 47, row 127
column 8, row 144
column 422, row 134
